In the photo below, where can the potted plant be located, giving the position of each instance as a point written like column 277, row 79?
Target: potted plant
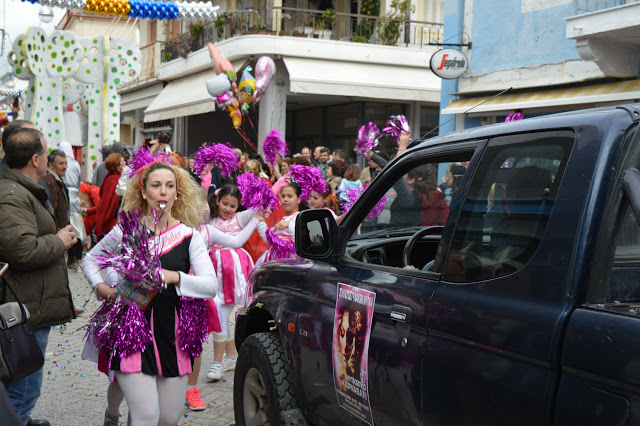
column 328, row 16
column 168, row 56
column 391, row 30
column 284, row 33
column 195, row 29
column 219, row 23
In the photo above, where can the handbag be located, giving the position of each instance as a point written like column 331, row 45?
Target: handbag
column 20, row 354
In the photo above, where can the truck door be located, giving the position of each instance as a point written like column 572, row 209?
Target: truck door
column 600, row 382
column 492, row 318
column 363, row 331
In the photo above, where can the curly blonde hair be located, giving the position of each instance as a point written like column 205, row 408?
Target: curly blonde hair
column 187, row 208
column 253, row 166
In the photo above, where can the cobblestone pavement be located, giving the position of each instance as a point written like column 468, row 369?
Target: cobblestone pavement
column 74, row 392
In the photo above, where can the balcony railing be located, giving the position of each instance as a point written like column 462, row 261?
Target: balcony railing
column 285, row 21
column 585, row 6
column 150, row 59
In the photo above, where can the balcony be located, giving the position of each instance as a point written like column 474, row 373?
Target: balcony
column 150, row 59
column 587, row 6
column 306, row 23
column 607, row 33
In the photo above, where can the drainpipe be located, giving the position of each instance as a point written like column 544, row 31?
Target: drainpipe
column 453, row 33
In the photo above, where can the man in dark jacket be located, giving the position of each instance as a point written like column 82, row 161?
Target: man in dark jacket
column 58, row 191
column 34, row 251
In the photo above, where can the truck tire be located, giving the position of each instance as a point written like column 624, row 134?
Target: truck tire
column 263, row 389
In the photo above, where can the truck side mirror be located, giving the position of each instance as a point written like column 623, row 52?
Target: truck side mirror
column 315, row 233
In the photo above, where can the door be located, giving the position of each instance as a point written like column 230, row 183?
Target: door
column 600, row 382
column 492, row 319
column 364, row 329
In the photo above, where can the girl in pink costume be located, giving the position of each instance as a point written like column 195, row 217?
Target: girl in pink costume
column 285, row 229
column 233, row 265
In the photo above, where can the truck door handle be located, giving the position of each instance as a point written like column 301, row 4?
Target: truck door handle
column 401, row 314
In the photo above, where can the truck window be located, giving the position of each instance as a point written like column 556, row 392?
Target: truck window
column 508, row 205
column 419, row 198
column 624, row 285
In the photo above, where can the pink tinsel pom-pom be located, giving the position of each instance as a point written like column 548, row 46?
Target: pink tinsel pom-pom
column 193, row 327
column 135, row 259
column 120, row 329
column 274, row 144
column 142, row 157
column 367, row 139
column 256, row 194
column 309, row 178
column 222, row 156
column 352, row 195
column 397, row 125
column 280, row 249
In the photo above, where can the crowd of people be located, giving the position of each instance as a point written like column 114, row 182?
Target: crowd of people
column 210, row 244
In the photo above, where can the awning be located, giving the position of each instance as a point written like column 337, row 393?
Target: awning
column 183, row 97
column 137, row 99
column 365, row 80
column 587, row 96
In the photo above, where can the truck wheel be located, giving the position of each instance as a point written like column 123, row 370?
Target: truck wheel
column 263, row 389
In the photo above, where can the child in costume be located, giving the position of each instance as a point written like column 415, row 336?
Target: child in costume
column 154, row 379
column 285, row 229
column 233, row 265
column 214, row 237
column 350, row 180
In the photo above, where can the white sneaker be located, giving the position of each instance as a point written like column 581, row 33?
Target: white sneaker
column 215, row 371
column 229, row 364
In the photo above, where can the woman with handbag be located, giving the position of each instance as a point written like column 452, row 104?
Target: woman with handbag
column 154, row 380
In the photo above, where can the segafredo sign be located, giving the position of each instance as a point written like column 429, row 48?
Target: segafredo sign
column 448, row 63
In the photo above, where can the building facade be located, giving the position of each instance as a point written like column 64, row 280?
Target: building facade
column 551, row 55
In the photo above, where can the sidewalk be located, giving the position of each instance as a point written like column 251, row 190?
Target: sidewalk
column 74, row 392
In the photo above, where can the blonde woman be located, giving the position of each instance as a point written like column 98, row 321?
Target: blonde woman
column 154, row 381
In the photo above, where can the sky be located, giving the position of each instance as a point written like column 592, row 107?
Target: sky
column 17, row 16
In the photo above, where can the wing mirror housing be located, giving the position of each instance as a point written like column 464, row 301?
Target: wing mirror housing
column 316, row 234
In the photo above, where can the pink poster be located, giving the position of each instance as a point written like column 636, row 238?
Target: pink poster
column 351, row 331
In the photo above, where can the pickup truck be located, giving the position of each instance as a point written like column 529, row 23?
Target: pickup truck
column 516, row 304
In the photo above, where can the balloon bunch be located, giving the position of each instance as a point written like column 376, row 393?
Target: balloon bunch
column 10, row 92
column 138, row 8
column 153, row 10
column 108, row 7
column 63, row 4
column 237, row 98
column 202, row 10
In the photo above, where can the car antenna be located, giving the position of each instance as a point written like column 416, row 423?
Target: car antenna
column 464, row 112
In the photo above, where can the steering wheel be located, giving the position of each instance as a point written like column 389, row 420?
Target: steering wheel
column 408, row 247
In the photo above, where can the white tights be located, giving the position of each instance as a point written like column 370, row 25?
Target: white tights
column 153, row 400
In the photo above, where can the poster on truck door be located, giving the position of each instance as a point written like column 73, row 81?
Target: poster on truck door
column 351, row 332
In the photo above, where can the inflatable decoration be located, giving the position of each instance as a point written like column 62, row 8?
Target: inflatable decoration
column 51, row 59
column 245, row 90
column 92, row 74
column 18, row 61
column 75, row 123
column 124, row 64
column 265, row 69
